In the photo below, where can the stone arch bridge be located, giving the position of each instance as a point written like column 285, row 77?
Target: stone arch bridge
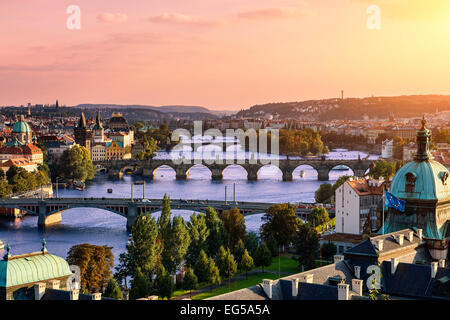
column 148, row 167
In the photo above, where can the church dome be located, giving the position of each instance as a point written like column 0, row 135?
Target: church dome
column 21, row 126
column 423, row 178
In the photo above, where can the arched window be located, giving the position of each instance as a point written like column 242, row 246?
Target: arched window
column 410, row 182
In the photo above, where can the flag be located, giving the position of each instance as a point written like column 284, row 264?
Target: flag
column 394, row 202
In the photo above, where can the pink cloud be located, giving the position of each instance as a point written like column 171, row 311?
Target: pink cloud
column 181, row 19
column 112, row 17
column 276, row 13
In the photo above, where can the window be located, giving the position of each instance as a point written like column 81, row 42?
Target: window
column 410, row 182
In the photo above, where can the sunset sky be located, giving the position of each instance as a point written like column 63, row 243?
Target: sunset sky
column 227, row 54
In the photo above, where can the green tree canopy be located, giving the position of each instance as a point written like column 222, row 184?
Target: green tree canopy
column 140, row 286
column 112, row 290
column 252, row 243
column 225, row 262
column 176, row 245
column 143, row 250
column 263, row 256
column 324, row 193
column 198, row 232
column 307, row 245
column 318, row 216
column 163, row 283
column 76, row 164
column 190, row 280
column 328, row 250
column 246, row 263
column 217, row 233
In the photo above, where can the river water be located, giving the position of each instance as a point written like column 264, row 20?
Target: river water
column 96, row 226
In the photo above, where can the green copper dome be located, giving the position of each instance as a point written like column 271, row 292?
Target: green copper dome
column 429, row 181
column 21, row 126
column 31, row 268
column 423, row 178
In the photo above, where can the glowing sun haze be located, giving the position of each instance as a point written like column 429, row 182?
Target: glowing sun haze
column 221, row 54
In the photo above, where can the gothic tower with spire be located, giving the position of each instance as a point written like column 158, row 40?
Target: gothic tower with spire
column 83, row 135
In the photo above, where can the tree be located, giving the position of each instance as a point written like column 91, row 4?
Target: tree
column 112, row 290
column 217, row 233
column 239, row 250
column 5, row 189
column 190, row 281
column 95, row 263
column 324, row 193
column 176, row 245
column 318, row 216
column 328, row 250
column 306, row 245
column 143, row 250
column 140, row 286
column 76, row 164
column 164, row 219
column 198, row 233
column 252, row 243
column 163, row 283
column 201, row 266
column 263, row 257
column 282, row 223
column 384, row 169
column 225, row 262
column 234, row 225
column 272, row 245
column 246, row 263
column 212, row 273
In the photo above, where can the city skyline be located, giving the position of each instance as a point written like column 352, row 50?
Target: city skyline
column 229, row 55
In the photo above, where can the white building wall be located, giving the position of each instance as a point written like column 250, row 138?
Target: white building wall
column 347, row 210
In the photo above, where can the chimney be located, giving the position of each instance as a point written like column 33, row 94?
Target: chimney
column 343, row 291
column 74, row 294
column 410, row 236
column 97, row 296
column 379, row 244
column 419, row 234
column 39, row 290
column 399, row 238
column 358, row 272
column 394, row 264
column 338, row 258
column 294, row 287
column 267, row 286
column 442, row 263
column 434, row 268
column 54, row 284
column 357, row 286
column 306, row 278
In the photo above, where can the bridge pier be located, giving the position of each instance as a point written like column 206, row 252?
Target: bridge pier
column 323, row 174
column 44, row 220
column 147, row 173
column 216, row 174
column 359, row 172
column 287, row 175
column 252, row 175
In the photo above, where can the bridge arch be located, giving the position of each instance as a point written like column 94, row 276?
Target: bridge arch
column 305, row 171
column 235, row 172
column 164, row 171
column 198, row 171
column 340, row 170
column 270, row 172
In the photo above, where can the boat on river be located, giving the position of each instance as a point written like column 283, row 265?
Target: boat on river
column 79, row 185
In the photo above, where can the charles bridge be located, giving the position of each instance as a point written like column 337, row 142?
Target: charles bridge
column 116, row 168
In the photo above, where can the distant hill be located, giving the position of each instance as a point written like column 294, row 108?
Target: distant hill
column 351, row 108
column 165, row 109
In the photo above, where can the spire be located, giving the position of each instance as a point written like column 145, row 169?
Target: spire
column 82, row 123
column 44, row 249
column 423, row 143
column 99, row 119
